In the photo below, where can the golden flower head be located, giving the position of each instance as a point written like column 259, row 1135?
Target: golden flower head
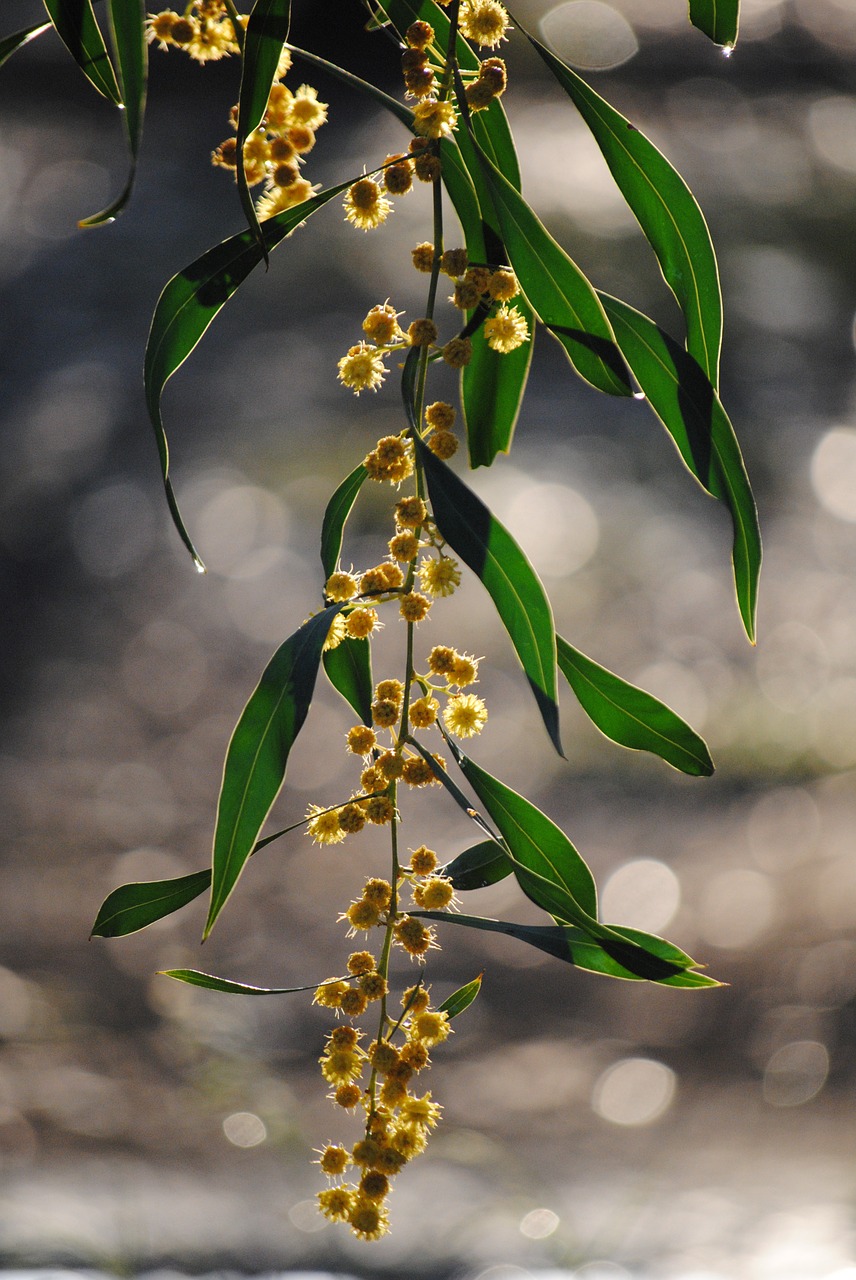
column 365, row 205
column 506, row 329
column 334, row 1160
column 423, row 257
column 458, row 352
column 348, row 1096
column 441, row 660
column 374, row 1185
column 384, row 713
column 465, row 715
column 454, row 262
column 440, row 415
column 466, row 295
column 423, row 712
column 328, row 995
column 362, row 369
column 378, row 891
column 367, row 1220
column 306, row 109
column 465, row 670
column 415, row 937
column 422, row 333
column 353, row 1002
column 439, row 577
column 419, row 35
column 433, row 119
column 414, row 607
column 411, row 512
column 430, row 1026
column 323, row 826
column 336, row 1203
column 341, row 586
column 398, row 176
column 379, row 810
column 443, row 444
column 336, row 634
column 351, row 818
column 362, row 916
column 484, row 21
column 417, row 772
column 361, row 623
column 381, row 325
column 503, row 285
column 404, row 546
column 361, row 739
column 437, row 893
column 360, row 962
column 422, row 861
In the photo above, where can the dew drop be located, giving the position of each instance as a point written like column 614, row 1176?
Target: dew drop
column 727, row 50
column 638, row 395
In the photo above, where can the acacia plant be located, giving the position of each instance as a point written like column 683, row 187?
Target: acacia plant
column 506, row 275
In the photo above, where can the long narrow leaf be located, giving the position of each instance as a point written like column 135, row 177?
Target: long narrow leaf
column 479, row 866
column 135, row 906
column 462, row 801
column 265, row 35
column 461, row 999
column 127, row 25
column 78, row 29
column 197, row 979
column 338, row 509
column 718, row 19
column 258, row 753
column 540, row 852
column 11, row 44
column 571, row 945
column 630, row 716
column 493, row 555
column 665, row 208
column 349, row 670
column 556, row 290
column 187, row 306
column 681, row 396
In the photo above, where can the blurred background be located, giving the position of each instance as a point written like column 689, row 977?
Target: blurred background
column 592, row 1129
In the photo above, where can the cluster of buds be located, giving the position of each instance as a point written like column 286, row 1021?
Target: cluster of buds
column 204, row 30
column 274, row 152
column 379, row 1081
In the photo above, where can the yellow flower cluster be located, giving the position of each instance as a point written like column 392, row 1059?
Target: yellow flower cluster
column 204, row 30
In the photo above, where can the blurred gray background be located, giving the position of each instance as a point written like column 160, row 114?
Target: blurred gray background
column 595, row 1129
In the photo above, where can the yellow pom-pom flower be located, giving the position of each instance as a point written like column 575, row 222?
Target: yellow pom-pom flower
column 362, row 369
column 365, row 205
column 465, row 715
column 506, row 330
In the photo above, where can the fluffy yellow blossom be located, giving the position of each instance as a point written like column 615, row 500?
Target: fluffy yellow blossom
column 465, row 715
column 443, row 444
column 336, row 634
column 422, row 861
column 430, row 1026
column 484, row 21
column 361, row 623
column 464, row 671
column 404, row 546
column 305, row 107
column 440, row 415
column 323, row 826
column 334, row 1160
column 341, row 586
column 423, row 257
column 336, row 1203
column 414, row 607
column 503, row 285
column 351, row 819
column 506, row 330
column 423, row 712
column 415, row 937
column 361, row 739
column 439, row 577
column 367, row 1220
column 362, row 369
column 434, row 119
column 417, row 772
column 381, row 325
column 353, row 1003
column 365, row 205
column 411, row 512
column 361, row 962
column 328, row 995
column 361, row 916
column 458, row 352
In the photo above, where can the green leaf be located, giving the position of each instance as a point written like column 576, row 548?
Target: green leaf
column 556, row 289
column 11, row 44
column 197, row 979
column 187, row 306
column 492, row 389
column 666, row 210
column 78, row 29
column 682, row 397
column 718, row 19
column 477, row 867
column 548, row 867
column 265, row 34
column 630, row 716
column 349, row 670
column 338, row 509
column 127, row 26
column 258, row 753
column 134, row 906
column 462, row 801
column 493, row 555
column 461, row 999
column 573, row 946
